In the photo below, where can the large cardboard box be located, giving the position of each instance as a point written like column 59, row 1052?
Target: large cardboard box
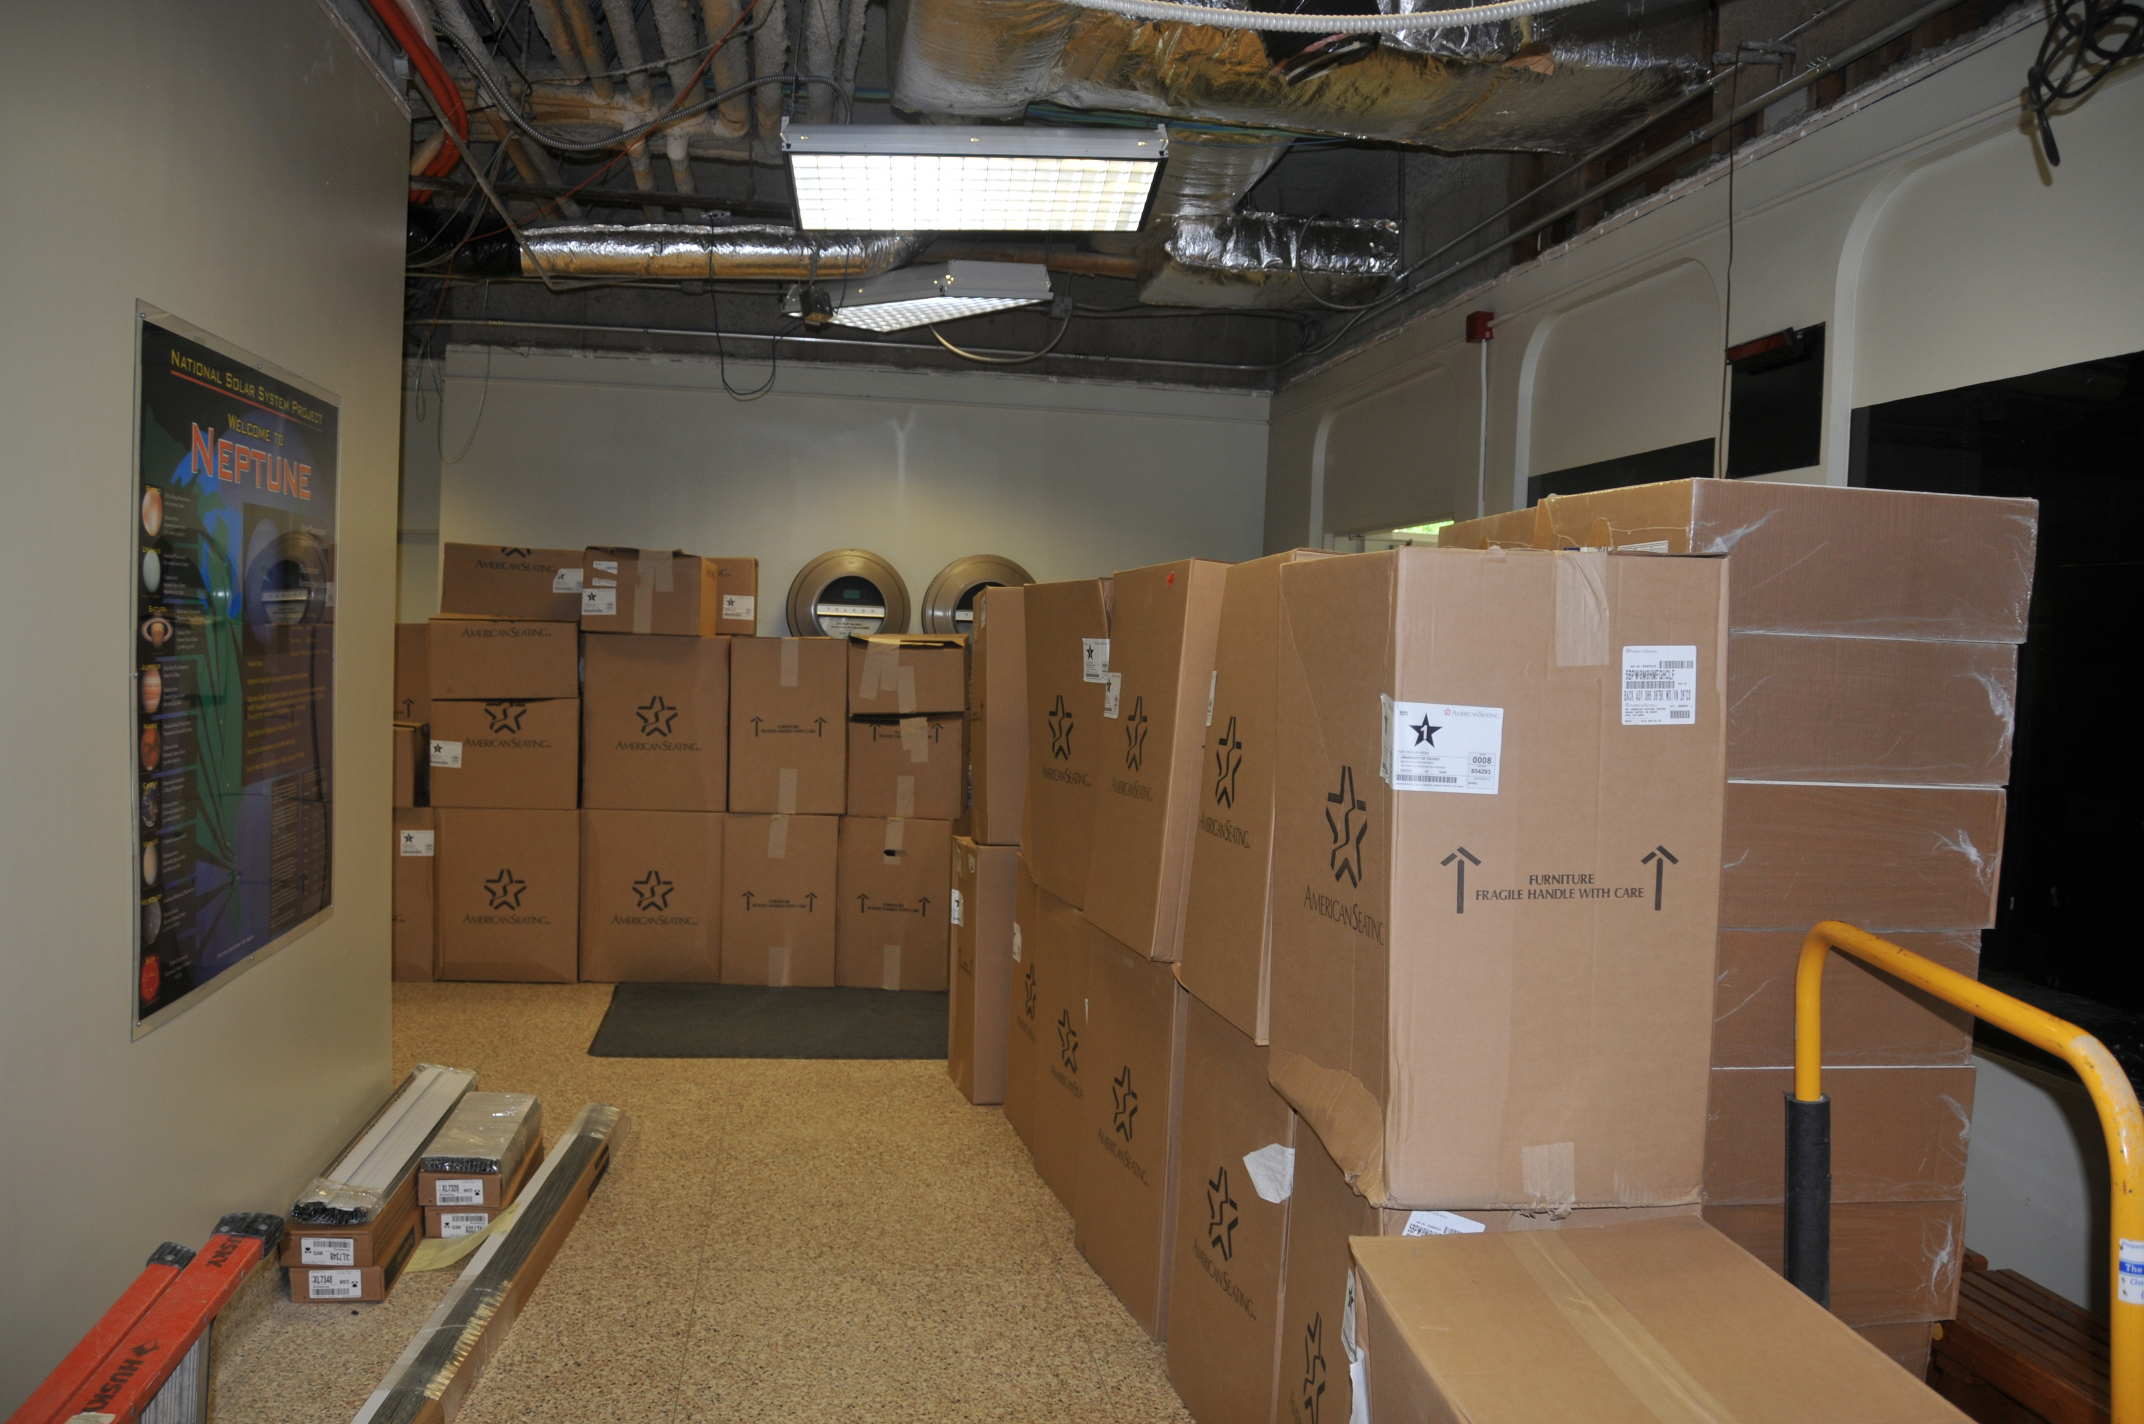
column 1902, row 711
column 651, row 897
column 788, row 744
column 494, row 582
column 1897, row 1134
column 505, row 755
column 1881, row 857
column 1891, row 1262
column 1235, row 1159
column 1060, row 947
column 1161, row 643
column 1513, row 529
column 411, row 763
column 416, row 854
column 997, row 652
column 904, row 674
column 997, row 717
column 979, row 997
column 778, row 878
column 895, row 885
column 413, row 701
column 509, row 893
column 655, row 723
column 1228, row 925
column 668, row 592
column 1492, row 984
column 1870, row 1019
column 905, row 766
column 473, row 659
column 1067, row 670
column 1124, row 1207
column 1627, row 1324
column 1024, row 1034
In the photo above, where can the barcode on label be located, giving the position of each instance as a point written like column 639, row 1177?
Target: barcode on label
column 334, row 1285
column 462, row 1223
column 463, row 1191
column 1659, row 685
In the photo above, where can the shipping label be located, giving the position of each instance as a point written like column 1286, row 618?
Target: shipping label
column 1659, row 686
column 566, row 580
column 1094, row 659
column 335, row 1285
column 458, row 1191
column 413, row 843
column 1442, row 746
column 327, row 1251
column 599, row 602
column 454, row 1224
column 447, row 754
column 1440, row 1223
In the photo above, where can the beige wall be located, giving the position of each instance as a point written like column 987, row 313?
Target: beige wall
column 236, row 165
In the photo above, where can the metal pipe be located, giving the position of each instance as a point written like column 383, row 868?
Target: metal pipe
column 552, row 21
column 822, row 44
column 673, row 28
column 582, row 22
column 770, row 55
column 600, row 197
column 626, row 39
column 732, row 63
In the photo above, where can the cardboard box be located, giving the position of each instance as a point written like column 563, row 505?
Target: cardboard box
column 416, row 854
column 370, row 1243
column 668, row 592
column 475, row 659
column 1881, row 857
column 413, row 699
column 997, row 652
column 1161, row 649
column 788, row 745
column 778, row 878
column 979, row 997
column 1231, row 1237
column 655, row 715
column 1867, row 563
column 509, row 894
column 651, row 897
column 997, row 717
column 895, row 885
column 1890, row 710
column 1023, row 1037
column 903, row 674
column 1440, row 1014
column 1641, row 1322
column 346, row 1285
column 494, row 582
column 1891, row 1262
column 905, row 766
column 1067, row 669
column 1060, row 947
column 506, row 755
column 1513, row 529
column 1869, row 1017
column 1124, row 1206
column 1897, row 1134
column 447, row 1223
column 1228, row 925
column 410, row 764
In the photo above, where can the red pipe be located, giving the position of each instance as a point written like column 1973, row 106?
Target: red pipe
column 437, row 82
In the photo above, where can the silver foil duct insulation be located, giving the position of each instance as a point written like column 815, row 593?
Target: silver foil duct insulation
column 1209, row 172
column 682, row 251
column 1265, row 260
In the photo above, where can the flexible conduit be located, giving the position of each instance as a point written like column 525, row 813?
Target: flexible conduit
column 1219, row 19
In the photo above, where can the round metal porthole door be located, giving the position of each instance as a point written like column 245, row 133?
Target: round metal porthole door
column 949, row 602
column 847, row 591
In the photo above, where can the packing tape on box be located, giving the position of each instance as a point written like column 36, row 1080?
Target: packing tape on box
column 778, row 965
column 904, row 688
column 882, row 663
column 777, row 838
column 792, row 652
column 915, row 736
column 785, row 791
column 889, row 966
column 651, row 575
column 1581, row 610
column 904, row 796
column 896, row 835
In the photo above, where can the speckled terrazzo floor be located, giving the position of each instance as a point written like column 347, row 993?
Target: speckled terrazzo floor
column 836, row 1243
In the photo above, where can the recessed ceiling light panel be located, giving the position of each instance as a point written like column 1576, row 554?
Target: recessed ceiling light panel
column 933, row 178
column 942, row 291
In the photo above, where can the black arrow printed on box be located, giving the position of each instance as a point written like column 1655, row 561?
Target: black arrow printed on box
column 1462, row 858
column 1659, row 858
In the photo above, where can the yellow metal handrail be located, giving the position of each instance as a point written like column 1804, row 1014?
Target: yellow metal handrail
column 2119, row 1116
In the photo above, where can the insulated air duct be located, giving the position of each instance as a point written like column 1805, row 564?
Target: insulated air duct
column 678, row 251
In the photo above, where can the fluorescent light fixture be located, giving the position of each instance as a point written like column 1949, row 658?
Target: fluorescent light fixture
column 934, row 178
column 941, row 291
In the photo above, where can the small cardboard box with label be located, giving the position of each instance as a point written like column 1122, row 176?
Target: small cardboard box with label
column 669, row 592
column 475, row 659
column 1496, row 874
column 416, row 941
column 492, row 582
column 903, row 674
column 447, row 1223
column 367, row 1244
column 478, row 1152
column 1067, row 670
column 655, row 719
column 778, row 910
column 788, row 741
column 358, row 1285
column 894, row 885
column 905, row 766
column 651, row 897
column 505, row 755
column 979, row 1001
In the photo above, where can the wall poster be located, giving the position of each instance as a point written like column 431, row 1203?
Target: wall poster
column 233, row 575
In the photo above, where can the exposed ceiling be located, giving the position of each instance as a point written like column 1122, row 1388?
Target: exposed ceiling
column 634, row 147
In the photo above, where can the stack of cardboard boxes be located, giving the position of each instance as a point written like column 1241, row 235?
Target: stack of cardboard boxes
column 986, row 875
column 1871, row 667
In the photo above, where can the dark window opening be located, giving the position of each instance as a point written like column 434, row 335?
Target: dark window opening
column 1775, row 405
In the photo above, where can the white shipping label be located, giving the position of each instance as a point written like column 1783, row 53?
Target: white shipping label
column 1659, row 685
column 447, row 754
column 566, row 580
column 1644, row 546
column 2130, row 1290
column 412, row 843
column 1016, row 941
column 458, row 1191
column 1272, row 1169
column 607, row 566
column 326, row 1251
column 335, row 1285
column 1112, row 694
column 960, row 908
column 462, row 1223
column 1094, row 660
column 740, row 606
column 1442, row 746
column 599, row 602
column 1440, row 1223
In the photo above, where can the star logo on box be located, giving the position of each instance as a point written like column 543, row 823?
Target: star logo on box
column 1221, row 1215
column 1135, row 735
column 1027, row 1008
column 1061, row 730
column 505, row 890
column 1424, row 734
column 1124, row 1102
column 513, row 553
column 1313, row 1393
column 1227, row 761
column 1342, row 810
column 654, row 891
column 656, row 717
column 506, row 716
column 1067, row 1042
